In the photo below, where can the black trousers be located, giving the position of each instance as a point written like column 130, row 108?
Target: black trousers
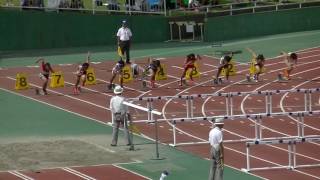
column 125, row 49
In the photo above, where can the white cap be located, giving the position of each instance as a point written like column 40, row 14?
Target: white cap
column 218, row 121
column 118, row 90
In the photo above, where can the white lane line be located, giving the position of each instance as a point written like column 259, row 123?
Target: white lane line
column 92, row 90
column 77, row 173
column 177, row 67
column 132, row 172
column 65, row 95
column 286, row 95
column 244, row 99
column 210, row 65
column 126, row 87
column 65, row 64
column 20, row 175
column 32, row 66
column 250, row 124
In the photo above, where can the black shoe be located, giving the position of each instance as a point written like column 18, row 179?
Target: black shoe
column 128, row 62
column 110, row 87
column 37, row 91
column 113, row 145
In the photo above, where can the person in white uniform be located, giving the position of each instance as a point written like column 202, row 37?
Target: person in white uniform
column 124, row 35
column 120, row 115
column 217, row 151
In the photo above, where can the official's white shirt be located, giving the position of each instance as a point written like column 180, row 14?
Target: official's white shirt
column 117, row 106
column 124, row 34
column 215, row 137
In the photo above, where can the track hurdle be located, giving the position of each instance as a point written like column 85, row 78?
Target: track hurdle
column 229, row 99
column 292, row 160
column 258, row 123
column 151, row 112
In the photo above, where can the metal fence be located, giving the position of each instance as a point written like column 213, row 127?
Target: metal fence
column 242, row 8
column 96, row 6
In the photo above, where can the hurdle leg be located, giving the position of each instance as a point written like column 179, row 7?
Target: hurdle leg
column 227, row 105
column 174, row 133
column 310, row 100
column 294, row 156
column 191, row 107
column 248, row 157
column 305, row 101
column 148, row 106
column 302, row 126
column 188, row 108
column 231, row 106
column 290, row 155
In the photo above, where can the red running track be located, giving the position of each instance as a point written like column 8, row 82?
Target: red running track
column 93, row 104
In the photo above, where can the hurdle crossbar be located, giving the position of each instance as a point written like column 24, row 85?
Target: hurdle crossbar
column 267, row 92
column 142, row 108
column 229, row 99
column 258, row 124
column 292, row 160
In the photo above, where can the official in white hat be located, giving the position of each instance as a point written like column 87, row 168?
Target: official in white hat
column 124, row 36
column 217, row 150
column 120, row 116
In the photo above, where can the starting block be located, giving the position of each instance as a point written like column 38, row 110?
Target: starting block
column 144, row 85
column 21, row 82
column 111, row 87
column 231, row 69
column 161, row 73
column 194, row 72
column 282, row 79
column 217, row 81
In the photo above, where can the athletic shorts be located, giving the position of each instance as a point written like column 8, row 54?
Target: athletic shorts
column 44, row 76
column 189, row 66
